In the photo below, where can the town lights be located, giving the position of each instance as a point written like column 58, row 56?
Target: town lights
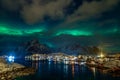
column 11, row 58
column 101, row 55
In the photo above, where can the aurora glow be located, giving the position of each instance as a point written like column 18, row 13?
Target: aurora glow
column 8, row 31
column 59, row 23
column 74, row 33
column 18, row 32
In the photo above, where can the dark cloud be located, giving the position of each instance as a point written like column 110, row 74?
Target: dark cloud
column 93, row 9
column 12, row 5
column 33, row 11
column 37, row 12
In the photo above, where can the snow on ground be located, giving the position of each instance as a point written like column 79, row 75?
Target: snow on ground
column 4, row 66
column 112, row 64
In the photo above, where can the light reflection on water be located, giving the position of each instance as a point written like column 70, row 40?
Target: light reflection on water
column 59, row 71
column 93, row 70
column 66, row 69
column 73, row 70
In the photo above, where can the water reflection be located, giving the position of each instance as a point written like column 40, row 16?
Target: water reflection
column 66, row 69
column 59, row 71
column 73, row 70
column 35, row 65
column 93, row 69
column 49, row 65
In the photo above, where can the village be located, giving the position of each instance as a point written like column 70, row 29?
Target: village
column 106, row 62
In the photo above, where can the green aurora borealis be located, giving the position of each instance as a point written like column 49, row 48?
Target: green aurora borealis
column 7, row 30
column 16, row 31
column 74, row 32
column 60, row 23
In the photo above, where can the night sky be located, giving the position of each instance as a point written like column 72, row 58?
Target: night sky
column 59, row 23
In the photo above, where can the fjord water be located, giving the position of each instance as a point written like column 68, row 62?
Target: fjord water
column 58, row 71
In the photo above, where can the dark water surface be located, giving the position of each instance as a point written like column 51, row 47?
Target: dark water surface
column 59, row 71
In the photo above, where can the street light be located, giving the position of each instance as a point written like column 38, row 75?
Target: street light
column 101, row 55
column 11, row 58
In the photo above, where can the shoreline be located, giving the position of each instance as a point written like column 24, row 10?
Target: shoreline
column 115, row 72
column 10, row 75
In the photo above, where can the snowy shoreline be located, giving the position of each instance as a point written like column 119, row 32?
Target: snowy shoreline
column 110, row 67
column 13, row 70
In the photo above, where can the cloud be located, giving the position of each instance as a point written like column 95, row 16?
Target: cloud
column 35, row 12
column 12, row 5
column 93, row 9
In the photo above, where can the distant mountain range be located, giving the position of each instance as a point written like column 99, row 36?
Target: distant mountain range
column 34, row 46
column 78, row 49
